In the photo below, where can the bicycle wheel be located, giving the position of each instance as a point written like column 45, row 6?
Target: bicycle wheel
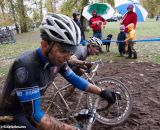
column 68, row 104
column 119, row 111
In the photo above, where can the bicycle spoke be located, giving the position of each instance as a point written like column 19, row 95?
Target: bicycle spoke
column 118, row 112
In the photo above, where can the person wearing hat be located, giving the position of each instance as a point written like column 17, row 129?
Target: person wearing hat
column 130, row 41
column 78, row 60
column 129, row 17
column 95, row 23
column 33, row 72
column 120, row 40
column 76, row 15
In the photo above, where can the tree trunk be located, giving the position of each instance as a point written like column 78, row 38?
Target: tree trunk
column 41, row 13
column 54, row 6
column 2, row 8
column 22, row 16
column 82, row 19
column 14, row 16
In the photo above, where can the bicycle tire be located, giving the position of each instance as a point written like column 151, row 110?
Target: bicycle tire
column 126, row 100
column 57, row 100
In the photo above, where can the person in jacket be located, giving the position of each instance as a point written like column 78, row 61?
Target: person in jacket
column 34, row 71
column 76, row 16
column 120, row 40
column 130, row 41
column 129, row 17
column 96, row 23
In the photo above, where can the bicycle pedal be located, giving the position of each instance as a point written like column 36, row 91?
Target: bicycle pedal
column 84, row 113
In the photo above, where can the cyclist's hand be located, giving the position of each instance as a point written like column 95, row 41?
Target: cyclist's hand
column 109, row 95
column 88, row 64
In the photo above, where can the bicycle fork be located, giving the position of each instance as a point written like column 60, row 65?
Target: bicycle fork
column 92, row 118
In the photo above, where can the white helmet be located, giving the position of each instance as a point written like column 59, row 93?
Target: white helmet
column 61, row 28
column 95, row 41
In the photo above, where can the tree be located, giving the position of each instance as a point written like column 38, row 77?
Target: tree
column 49, row 6
column 41, row 7
column 2, row 6
column 69, row 6
column 36, row 17
column 14, row 15
column 83, row 20
column 152, row 6
column 22, row 16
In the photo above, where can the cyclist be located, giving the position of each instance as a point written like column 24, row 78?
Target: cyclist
column 31, row 73
column 77, row 61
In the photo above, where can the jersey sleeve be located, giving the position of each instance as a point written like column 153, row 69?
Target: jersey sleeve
column 28, row 93
column 74, row 79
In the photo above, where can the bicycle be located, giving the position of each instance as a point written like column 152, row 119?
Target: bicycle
column 105, row 113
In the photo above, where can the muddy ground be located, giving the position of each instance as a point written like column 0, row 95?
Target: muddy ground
column 143, row 82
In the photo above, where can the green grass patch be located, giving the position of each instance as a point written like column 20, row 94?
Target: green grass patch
column 9, row 51
column 4, row 71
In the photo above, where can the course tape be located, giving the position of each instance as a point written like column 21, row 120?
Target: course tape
column 108, row 41
column 105, row 42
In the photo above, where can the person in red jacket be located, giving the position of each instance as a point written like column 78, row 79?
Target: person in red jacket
column 96, row 24
column 129, row 17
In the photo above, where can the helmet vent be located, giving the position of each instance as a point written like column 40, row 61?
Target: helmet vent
column 59, row 25
column 55, row 34
column 48, row 22
column 68, row 36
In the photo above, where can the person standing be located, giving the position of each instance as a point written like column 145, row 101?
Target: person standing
column 130, row 41
column 129, row 17
column 120, row 40
column 95, row 23
column 77, row 21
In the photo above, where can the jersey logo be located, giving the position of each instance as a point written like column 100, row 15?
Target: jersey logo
column 28, row 94
column 21, row 75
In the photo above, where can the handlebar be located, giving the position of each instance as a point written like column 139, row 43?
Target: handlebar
column 92, row 70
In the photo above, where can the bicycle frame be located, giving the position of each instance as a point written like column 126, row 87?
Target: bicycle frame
column 90, row 77
column 58, row 92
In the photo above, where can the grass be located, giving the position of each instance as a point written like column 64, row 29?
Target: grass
column 26, row 41
column 9, row 51
column 149, row 51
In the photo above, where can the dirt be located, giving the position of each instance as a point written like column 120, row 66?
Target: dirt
column 143, row 82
